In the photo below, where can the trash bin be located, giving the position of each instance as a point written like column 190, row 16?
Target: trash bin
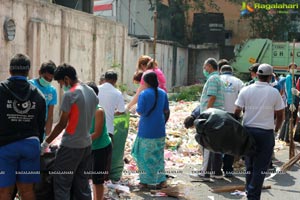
column 44, row 189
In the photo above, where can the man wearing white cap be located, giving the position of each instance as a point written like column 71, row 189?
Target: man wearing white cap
column 260, row 101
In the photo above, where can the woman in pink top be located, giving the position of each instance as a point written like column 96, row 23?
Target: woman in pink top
column 146, row 64
column 160, row 75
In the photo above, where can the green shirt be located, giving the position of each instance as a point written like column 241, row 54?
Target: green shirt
column 102, row 141
column 213, row 87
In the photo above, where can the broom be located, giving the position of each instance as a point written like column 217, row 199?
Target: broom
column 291, row 135
column 290, row 163
column 170, row 191
column 232, row 188
column 285, row 166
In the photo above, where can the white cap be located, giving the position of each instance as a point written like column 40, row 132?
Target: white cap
column 265, row 69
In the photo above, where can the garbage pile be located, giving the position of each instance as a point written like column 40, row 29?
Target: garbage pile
column 181, row 150
column 181, row 153
column 181, row 147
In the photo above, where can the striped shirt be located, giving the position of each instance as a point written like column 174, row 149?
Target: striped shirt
column 213, row 87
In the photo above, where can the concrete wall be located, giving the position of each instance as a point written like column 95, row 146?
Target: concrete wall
column 174, row 66
column 181, row 67
column 91, row 44
column 197, row 55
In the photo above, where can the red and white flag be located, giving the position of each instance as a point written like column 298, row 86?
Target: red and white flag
column 102, row 5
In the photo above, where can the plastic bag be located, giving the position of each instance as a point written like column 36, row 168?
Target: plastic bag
column 121, row 125
column 219, row 132
column 44, row 189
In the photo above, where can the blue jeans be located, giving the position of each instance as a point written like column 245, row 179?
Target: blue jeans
column 258, row 164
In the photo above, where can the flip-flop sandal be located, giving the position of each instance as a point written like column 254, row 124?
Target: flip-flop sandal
column 162, row 185
column 142, row 186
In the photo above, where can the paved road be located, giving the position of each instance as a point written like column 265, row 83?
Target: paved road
column 283, row 186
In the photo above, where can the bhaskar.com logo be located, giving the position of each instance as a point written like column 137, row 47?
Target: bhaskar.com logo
column 272, row 8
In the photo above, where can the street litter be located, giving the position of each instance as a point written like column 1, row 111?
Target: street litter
column 277, row 171
column 238, row 193
column 175, row 191
column 118, row 187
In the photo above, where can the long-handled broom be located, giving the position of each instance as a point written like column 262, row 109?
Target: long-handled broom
column 232, row 188
column 291, row 132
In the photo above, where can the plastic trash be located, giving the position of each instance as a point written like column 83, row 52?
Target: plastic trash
column 219, row 132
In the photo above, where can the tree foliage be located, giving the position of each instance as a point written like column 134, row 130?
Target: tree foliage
column 263, row 23
column 274, row 24
column 278, row 25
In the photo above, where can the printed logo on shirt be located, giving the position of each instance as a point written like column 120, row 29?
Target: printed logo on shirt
column 20, row 110
column 49, row 97
column 229, row 87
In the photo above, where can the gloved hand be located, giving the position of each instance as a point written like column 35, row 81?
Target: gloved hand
column 44, row 146
column 131, row 109
column 126, row 108
column 292, row 108
column 295, row 92
column 189, row 121
column 238, row 118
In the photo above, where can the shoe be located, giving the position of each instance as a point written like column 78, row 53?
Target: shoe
column 272, row 169
column 161, row 185
column 287, row 143
column 228, row 175
column 198, row 177
column 115, row 181
column 217, row 177
column 142, row 186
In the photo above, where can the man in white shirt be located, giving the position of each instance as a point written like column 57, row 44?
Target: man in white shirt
column 233, row 86
column 111, row 99
column 260, row 101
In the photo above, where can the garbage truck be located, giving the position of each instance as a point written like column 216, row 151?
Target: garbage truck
column 277, row 54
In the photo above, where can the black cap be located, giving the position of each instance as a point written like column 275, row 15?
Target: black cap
column 222, row 62
column 254, row 67
column 290, row 65
column 226, row 68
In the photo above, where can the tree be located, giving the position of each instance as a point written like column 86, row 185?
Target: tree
column 275, row 24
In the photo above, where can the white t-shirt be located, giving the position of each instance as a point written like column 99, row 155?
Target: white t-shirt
column 111, row 100
column 260, row 101
column 232, row 87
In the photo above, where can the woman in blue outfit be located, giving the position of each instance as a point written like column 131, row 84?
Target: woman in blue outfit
column 148, row 148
